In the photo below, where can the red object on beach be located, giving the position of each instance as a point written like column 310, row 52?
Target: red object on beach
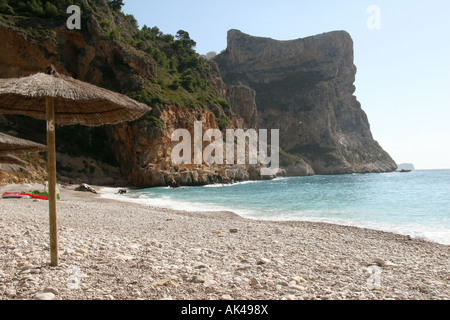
column 33, row 196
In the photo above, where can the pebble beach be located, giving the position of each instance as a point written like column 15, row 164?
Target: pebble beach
column 111, row 250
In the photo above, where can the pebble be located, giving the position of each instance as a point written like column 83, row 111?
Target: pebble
column 199, row 265
column 210, row 283
column 44, row 296
column 136, row 293
column 165, row 282
column 25, row 267
column 11, row 293
column 254, row 282
column 298, row 280
column 244, row 267
column 124, row 257
column 296, row 287
column 263, row 261
column 198, row 279
column 51, row 290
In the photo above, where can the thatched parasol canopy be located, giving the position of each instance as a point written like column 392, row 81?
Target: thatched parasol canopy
column 10, row 159
column 76, row 102
column 13, row 145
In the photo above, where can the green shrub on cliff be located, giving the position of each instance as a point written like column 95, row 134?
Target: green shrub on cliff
column 50, row 10
column 116, row 5
column 154, row 122
column 182, row 72
column 175, row 84
column 5, row 7
column 132, row 20
column 188, row 81
column 33, row 7
column 222, row 123
column 105, row 24
column 114, row 34
column 287, row 159
column 38, row 8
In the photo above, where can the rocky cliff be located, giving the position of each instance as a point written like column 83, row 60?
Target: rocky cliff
column 145, row 64
column 305, row 88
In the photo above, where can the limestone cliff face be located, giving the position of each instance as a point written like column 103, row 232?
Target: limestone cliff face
column 305, row 88
column 302, row 87
column 243, row 103
column 146, row 153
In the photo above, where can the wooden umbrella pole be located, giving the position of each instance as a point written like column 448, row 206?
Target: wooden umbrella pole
column 51, row 159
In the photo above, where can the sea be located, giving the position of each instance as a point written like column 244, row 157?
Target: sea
column 416, row 203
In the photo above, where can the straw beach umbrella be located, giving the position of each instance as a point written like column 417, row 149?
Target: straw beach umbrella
column 63, row 100
column 76, row 102
column 13, row 145
column 10, row 159
column 10, row 163
column 10, row 146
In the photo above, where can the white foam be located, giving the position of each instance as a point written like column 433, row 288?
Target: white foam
column 160, row 201
column 280, row 179
column 223, row 185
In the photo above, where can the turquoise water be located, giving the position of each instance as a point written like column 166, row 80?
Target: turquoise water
column 415, row 204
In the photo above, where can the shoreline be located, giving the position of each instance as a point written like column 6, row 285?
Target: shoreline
column 133, row 251
column 122, row 198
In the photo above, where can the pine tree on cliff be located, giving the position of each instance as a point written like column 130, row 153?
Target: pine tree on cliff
column 116, row 5
column 185, row 39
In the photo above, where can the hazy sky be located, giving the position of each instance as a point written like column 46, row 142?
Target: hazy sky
column 403, row 79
